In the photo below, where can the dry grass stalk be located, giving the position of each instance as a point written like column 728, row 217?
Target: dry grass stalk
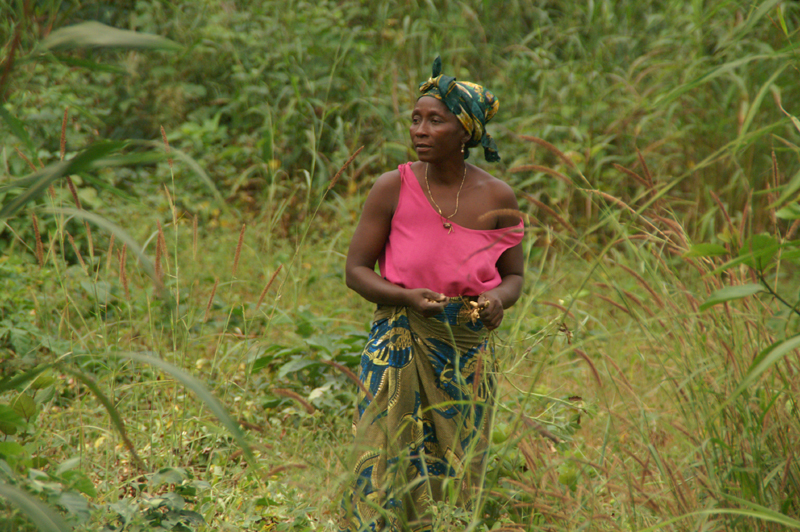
column 238, row 250
column 646, row 286
column 39, row 245
column 30, row 164
column 551, row 148
column 541, row 430
column 211, row 298
column 647, row 173
column 722, row 208
column 539, row 168
column 283, row 392
column 631, row 173
column 276, row 470
column 611, row 198
column 77, row 251
column 612, row 302
column 344, row 166
column 477, row 376
column 588, row 360
column 166, row 146
column 269, row 283
column 562, row 308
column 74, row 193
column 505, row 212
column 110, row 252
column 551, row 212
column 350, row 375
column 64, row 133
column 123, row 274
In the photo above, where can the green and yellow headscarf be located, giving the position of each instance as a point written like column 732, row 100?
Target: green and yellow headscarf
column 471, row 103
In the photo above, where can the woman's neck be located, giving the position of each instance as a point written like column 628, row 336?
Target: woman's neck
column 450, row 173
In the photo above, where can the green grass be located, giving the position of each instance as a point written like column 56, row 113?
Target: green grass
column 622, row 404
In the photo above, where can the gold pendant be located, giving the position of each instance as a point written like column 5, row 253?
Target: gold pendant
column 447, row 226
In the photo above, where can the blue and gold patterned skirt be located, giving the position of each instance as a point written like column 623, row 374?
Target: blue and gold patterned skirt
column 422, row 423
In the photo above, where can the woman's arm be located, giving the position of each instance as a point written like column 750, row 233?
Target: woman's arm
column 368, row 243
column 510, row 265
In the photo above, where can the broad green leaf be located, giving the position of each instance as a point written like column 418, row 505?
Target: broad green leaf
column 11, row 448
column 759, row 248
column 45, row 519
column 39, row 181
column 730, row 293
column 10, row 421
column 706, row 250
column 17, row 128
column 204, row 395
column 25, row 406
column 790, row 212
column 93, row 34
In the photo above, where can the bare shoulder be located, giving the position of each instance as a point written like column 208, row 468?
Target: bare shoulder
column 385, row 192
column 498, row 192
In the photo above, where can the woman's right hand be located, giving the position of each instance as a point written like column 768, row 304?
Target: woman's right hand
column 426, row 302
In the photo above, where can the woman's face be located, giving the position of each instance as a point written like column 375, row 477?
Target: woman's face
column 436, row 132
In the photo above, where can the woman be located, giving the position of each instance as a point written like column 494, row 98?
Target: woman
column 450, row 262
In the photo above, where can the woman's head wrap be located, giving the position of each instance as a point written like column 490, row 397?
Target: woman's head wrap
column 471, row 103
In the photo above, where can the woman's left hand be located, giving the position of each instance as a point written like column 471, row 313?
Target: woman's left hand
column 492, row 313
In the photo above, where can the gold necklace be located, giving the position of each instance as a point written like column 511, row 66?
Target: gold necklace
column 447, row 225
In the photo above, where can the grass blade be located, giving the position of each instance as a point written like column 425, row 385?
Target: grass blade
column 40, row 514
column 17, row 129
column 112, row 412
column 112, row 228
column 93, row 34
column 39, row 181
column 199, row 389
column 762, row 363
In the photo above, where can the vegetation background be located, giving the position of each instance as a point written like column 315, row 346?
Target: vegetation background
column 178, row 193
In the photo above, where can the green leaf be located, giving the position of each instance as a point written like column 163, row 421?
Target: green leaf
column 39, row 514
column 706, row 250
column 11, row 448
column 25, row 406
column 790, row 212
column 10, row 421
column 17, row 128
column 11, row 383
column 730, row 293
column 766, row 359
column 204, row 395
column 758, row 250
column 93, row 34
column 789, row 188
column 39, row 181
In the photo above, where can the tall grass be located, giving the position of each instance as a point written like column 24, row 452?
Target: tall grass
column 653, row 144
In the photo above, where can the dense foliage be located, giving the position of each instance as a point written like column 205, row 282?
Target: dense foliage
column 176, row 342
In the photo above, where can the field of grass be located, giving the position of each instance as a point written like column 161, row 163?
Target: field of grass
column 177, row 344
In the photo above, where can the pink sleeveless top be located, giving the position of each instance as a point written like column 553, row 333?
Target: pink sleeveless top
column 420, row 253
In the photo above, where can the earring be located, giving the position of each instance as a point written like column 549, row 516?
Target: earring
column 462, row 148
